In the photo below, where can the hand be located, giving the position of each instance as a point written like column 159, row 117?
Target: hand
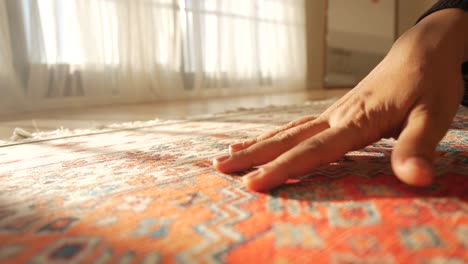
column 411, row 95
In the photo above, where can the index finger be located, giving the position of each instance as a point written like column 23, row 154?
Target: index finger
column 244, row 145
column 326, row 147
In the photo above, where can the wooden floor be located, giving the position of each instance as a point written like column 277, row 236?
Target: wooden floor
column 95, row 116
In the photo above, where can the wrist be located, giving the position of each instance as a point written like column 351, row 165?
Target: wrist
column 441, row 35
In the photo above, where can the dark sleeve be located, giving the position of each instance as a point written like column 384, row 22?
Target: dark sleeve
column 465, row 78
column 444, row 4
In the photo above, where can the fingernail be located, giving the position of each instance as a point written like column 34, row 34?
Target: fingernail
column 220, row 159
column 253, row 175
column 235, row 147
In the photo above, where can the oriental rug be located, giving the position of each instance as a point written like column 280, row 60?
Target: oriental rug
column 147, row 193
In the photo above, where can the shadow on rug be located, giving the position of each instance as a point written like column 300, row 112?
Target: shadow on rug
column 147, row 194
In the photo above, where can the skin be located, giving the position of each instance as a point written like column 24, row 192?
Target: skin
column 412, row 95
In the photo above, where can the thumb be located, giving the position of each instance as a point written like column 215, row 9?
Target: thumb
column 413, row 156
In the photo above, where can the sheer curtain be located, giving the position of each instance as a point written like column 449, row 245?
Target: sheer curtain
column 58, row 53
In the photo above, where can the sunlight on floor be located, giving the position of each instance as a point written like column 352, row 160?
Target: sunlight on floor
column 92, row 117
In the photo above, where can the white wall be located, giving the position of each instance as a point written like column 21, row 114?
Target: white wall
column 318, row 41
column 360, row 33
column 362, row 16
column 410, row 11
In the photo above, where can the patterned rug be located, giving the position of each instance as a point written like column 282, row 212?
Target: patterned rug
column 148, row 194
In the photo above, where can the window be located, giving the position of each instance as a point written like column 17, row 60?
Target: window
column 145, row 49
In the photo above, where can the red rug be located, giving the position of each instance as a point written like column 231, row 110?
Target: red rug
column 148, row 194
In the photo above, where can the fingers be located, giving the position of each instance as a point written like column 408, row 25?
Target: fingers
column 413, row 156
column 321, row 149
column 267, row 150
column 243, row 145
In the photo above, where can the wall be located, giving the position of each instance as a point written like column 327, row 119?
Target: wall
column 317, row 43
column 410, row 11
column 359, row 34
column 315, row 25
column 363, row 18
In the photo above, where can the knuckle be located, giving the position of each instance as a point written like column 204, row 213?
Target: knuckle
column 317, row 143
column 286, row 138
column 249, row 157
column 297, row 122
column 289, row 125
column 281, row 166
column 244, row 155
column 249, row 142
column 270, row 133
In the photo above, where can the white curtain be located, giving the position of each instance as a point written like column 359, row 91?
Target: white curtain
column 58, row 53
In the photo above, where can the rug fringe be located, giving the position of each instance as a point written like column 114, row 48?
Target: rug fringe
column 21, row 135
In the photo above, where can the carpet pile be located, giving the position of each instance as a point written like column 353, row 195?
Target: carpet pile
column 148, row 194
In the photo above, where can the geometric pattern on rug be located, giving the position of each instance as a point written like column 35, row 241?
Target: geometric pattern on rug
column 150, row 195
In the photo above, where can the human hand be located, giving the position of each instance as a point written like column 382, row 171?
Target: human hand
column 411, row 95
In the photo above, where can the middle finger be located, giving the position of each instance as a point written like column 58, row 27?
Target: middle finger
column 267, row 150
